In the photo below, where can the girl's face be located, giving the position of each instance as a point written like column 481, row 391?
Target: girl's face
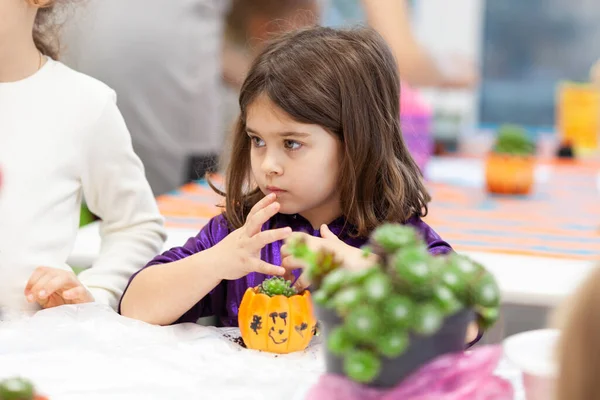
column 299, row 162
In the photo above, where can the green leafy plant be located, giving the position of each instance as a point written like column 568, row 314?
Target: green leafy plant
column 513, row 139
column 409, row 293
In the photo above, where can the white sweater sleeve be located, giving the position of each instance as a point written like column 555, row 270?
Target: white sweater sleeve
column 116, row 190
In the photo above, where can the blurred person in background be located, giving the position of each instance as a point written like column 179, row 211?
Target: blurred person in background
column 168, row 65
column 391, row 18
column 249, row 25
column 163, row 58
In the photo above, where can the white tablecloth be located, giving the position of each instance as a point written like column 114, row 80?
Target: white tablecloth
column 89, row 352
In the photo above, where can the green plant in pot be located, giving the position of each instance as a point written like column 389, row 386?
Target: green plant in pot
column 513, row 140
column 384, row 322
column 510, row 166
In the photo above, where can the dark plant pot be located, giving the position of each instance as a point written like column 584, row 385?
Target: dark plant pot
column 422, row 349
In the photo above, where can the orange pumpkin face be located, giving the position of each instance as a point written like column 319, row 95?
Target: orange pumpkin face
column 277, row 324
column 506, row 174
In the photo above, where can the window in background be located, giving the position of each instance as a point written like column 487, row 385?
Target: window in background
column 528, row 47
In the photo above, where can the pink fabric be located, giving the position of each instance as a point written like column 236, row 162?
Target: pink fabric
column 411, row 102
column 460, row 376
column 415, row 121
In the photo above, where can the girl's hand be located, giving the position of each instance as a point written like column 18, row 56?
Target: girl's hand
column 53, row 287
column 239, row 252
column 350, row 257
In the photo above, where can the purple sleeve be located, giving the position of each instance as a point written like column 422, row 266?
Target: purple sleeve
column 212, row 233
column 435, row 244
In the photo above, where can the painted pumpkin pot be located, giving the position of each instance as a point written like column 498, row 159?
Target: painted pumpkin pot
column 277, row 324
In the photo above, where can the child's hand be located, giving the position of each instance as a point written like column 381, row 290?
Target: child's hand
column 53, row 287
column 239, row 252
column 351, row 257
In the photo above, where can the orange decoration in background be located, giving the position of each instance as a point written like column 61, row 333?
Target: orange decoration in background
column 509, row 174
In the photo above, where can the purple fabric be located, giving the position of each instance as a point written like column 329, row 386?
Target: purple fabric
column 223, row 301
column 460, row 376
column 416, row 131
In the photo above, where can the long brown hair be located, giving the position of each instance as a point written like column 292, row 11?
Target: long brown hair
column 46, row 29
column 346, row 81
column 579, row 343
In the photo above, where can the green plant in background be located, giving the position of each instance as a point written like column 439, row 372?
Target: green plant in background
column 410, row 292
column 16, row 389
column 513, row 140
column 86, row 216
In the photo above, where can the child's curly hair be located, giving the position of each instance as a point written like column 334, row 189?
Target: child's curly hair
column 47, row 26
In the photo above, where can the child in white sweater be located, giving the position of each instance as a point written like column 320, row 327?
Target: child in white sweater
column 62, row 138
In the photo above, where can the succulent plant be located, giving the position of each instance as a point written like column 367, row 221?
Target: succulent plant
column 277, row 286
column 410, row 292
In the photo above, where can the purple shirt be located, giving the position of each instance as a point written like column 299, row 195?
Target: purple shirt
column 224, row 300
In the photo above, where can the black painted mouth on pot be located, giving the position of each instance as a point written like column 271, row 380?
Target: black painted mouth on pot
column 274, row 340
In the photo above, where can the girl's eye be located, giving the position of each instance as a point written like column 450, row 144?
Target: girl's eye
column 256, row 141
column 292, row 145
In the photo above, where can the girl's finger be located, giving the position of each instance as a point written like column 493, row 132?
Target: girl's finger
column 264, row 202
column 264, row 238
column 265, row 268
column 284, row 250
column 291, row 264
column 327, row 234
column 289, row 276
column 302, row 283
column 295, row 236
column 254, row 223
